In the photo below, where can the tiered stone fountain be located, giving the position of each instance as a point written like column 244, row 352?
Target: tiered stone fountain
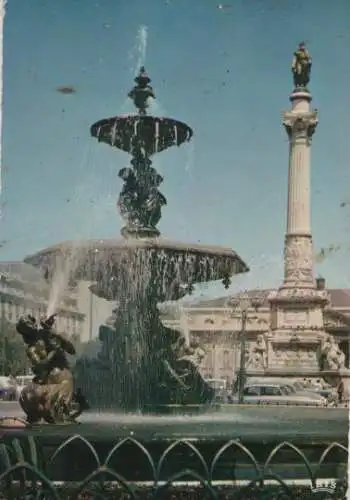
column 144, row 363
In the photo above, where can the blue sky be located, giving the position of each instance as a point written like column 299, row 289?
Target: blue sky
column 226, row 72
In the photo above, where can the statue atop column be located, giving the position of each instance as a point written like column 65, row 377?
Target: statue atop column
column 301, row 66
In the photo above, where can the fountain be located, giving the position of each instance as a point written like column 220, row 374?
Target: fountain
column 144, row 364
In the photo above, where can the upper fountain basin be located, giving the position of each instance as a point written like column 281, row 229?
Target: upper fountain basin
column 135, row 132
column 173, row 263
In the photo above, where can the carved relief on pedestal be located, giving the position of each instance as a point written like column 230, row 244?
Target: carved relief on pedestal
column 295, row 318
column 298, row 259
column 299, row 294
column 300, row 125
column 293, row 355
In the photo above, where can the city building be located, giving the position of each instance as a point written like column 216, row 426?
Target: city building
column 23, row 290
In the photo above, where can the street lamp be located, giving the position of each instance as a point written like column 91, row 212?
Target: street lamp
column 242, row 303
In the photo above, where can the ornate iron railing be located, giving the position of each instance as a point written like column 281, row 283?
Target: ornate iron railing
column 28, row 473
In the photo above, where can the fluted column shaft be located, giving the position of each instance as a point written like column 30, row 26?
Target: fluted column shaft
column 300, row 124
column 298, row 212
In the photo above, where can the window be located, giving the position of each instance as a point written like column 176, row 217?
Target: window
column 252, row 391
column 298, row 386
column 10, row 311
column 270, row 390
column 209, row 360
column 226, row 360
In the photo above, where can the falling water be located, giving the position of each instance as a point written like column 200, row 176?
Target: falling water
column 190, row 160
column 156, row 108
column 137, row 57
column 138, row 53
column 68, row 262
column 129, row 354
column 184, row 324
column 142, row 36
column 64, row 265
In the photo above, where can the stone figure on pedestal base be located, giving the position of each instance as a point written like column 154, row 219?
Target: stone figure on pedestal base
column 257, row 359
column 332, row 357
column 50, row 396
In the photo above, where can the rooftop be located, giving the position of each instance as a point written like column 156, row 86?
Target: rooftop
column 339, row 297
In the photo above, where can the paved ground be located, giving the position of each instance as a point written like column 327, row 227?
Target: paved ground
column 227, row 422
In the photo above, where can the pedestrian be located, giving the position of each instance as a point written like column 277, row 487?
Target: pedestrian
column 340, row 391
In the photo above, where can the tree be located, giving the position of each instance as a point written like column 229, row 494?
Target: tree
column 13, row 359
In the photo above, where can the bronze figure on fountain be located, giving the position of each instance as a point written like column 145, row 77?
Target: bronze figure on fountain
column 140, row 201
column 50, row 397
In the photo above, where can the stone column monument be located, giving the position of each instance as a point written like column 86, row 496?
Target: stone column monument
column 297, row 306
column 298, row 343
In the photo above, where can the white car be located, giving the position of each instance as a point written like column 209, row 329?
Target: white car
column 276, row 394
column 293, row 386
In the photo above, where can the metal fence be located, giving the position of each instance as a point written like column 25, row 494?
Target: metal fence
column 27, row 474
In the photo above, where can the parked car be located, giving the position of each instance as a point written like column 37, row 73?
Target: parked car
column 324, row 390
column 7, row 389
column 277, row 394
column 293, row 386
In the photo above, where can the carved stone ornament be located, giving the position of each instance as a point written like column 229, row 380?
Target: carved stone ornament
column 209, row 321
column 294, row 355
column 300, row 125
column 299, row 294
column 298, row 259
column 257, row 357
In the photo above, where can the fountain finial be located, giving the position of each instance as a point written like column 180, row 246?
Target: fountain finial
column 142, row 91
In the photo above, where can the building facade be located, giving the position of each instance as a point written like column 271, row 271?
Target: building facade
column 24, row 291
column 217, row 326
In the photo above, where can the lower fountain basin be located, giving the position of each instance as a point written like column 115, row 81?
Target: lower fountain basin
column 224, row 422
column 225, row 436
column 176, row 263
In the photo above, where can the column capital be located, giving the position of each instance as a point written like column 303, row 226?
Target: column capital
column 300, row 125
